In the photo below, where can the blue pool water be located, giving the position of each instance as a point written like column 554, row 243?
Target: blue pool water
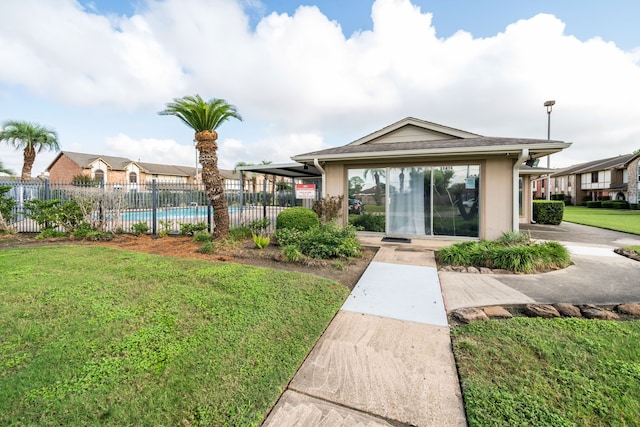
column 192, row 212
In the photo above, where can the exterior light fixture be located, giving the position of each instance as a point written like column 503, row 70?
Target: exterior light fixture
column 549, row 105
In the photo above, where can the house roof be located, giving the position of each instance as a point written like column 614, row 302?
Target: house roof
column 448, row 147
column 411, row 137
column 597, row 165
column 84, row 160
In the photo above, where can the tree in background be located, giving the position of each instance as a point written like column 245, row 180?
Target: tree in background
column 5, row 170
column 204, row 117
column 377, row 174
column 31, row 138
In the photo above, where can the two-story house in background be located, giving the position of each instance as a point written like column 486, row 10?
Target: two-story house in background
column 614, row 178
column 119, row 171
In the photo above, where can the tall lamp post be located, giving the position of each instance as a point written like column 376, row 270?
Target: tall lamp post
column 549, row 105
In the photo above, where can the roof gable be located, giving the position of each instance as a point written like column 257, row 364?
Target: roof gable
column 412, row 129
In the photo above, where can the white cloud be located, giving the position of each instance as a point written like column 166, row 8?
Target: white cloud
column 302, row 85
column 150, row 150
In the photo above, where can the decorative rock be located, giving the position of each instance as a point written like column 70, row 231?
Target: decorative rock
column 591, row 311
column 468, row 315
column 632, row 309
column 446, row 268
column 485, row 270
column 459, row 269
column 471, row 269
column 541, row 310
column 497, row 311
column 568, row 310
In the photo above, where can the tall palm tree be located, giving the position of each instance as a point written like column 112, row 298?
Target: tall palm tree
column 32, row 138
column 4, row 170
column 204, row 117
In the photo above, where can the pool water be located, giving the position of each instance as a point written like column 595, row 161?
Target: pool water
column 198, row 212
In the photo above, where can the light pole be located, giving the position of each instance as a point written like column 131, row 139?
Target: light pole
column 549, row 105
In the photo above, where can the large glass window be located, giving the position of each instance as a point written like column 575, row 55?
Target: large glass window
column 416, row 200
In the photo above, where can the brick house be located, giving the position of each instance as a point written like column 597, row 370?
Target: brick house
column 119, row 170
column 615, row 178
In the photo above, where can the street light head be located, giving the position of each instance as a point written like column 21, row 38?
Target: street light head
column 549, row 103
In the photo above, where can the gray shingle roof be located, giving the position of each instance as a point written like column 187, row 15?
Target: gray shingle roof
column 596, row 165
column 455, row 145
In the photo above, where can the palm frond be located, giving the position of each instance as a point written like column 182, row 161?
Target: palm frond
column 201, row 115
column 27, row 135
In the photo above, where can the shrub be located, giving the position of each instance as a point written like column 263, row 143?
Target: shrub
column 548, row 212
column 190, row 229
column 511, row 252
column 139, row 228
column 615, row 204
column 287, row 236
column 594, row 204
column 240, row 233
column 328, row 208
column 259, row 225
column 297, row 217
column 368, row 222
column 261, row 240
column 330, row 241
column 6, row 203
column 292, row 254
column 202, row 236
column 207, row 248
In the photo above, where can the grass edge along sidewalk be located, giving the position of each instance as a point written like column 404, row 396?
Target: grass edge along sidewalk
column 94, row 335
column 627, row 221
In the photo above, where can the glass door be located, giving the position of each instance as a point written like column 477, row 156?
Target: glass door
column 408, row 207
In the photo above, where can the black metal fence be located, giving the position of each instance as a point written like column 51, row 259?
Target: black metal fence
column 163, row 206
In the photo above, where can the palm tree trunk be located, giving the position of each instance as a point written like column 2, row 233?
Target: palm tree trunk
column 208, row 149
column 29, row 157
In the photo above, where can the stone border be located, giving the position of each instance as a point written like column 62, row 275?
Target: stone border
column 627, row 253
column 468, row 315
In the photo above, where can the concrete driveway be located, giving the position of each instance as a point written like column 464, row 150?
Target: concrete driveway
column 598, row 276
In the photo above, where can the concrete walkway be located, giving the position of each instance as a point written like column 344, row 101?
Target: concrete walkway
column 386, row 358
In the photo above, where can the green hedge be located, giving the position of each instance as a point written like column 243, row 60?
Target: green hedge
column 594, row 204
column 298, row 218
column 548, row 211
column 615, row 204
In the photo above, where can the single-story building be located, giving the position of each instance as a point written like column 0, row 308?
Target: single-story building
column 433, row 180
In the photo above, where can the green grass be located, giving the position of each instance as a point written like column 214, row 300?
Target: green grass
column 627, row 221
column 92, row 335
column 541, row 372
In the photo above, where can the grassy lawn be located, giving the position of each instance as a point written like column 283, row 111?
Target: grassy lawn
column 93, row 335
column 627, row 221
column 541, row 372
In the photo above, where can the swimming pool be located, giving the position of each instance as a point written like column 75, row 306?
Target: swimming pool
column 164, row 214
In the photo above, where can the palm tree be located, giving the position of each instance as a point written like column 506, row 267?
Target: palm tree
column 204, row 117
column 32, row 138
column 4, row 170
column 377, row 173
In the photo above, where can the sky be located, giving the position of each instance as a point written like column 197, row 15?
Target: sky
column 315, row 74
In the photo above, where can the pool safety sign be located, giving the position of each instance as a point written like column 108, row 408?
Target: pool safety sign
column 305, row 191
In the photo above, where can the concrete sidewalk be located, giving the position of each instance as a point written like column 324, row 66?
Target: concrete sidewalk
column 386, row 358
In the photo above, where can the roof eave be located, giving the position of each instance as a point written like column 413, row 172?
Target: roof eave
column 376, row 155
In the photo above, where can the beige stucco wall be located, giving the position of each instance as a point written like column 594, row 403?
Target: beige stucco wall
column 496, row 207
